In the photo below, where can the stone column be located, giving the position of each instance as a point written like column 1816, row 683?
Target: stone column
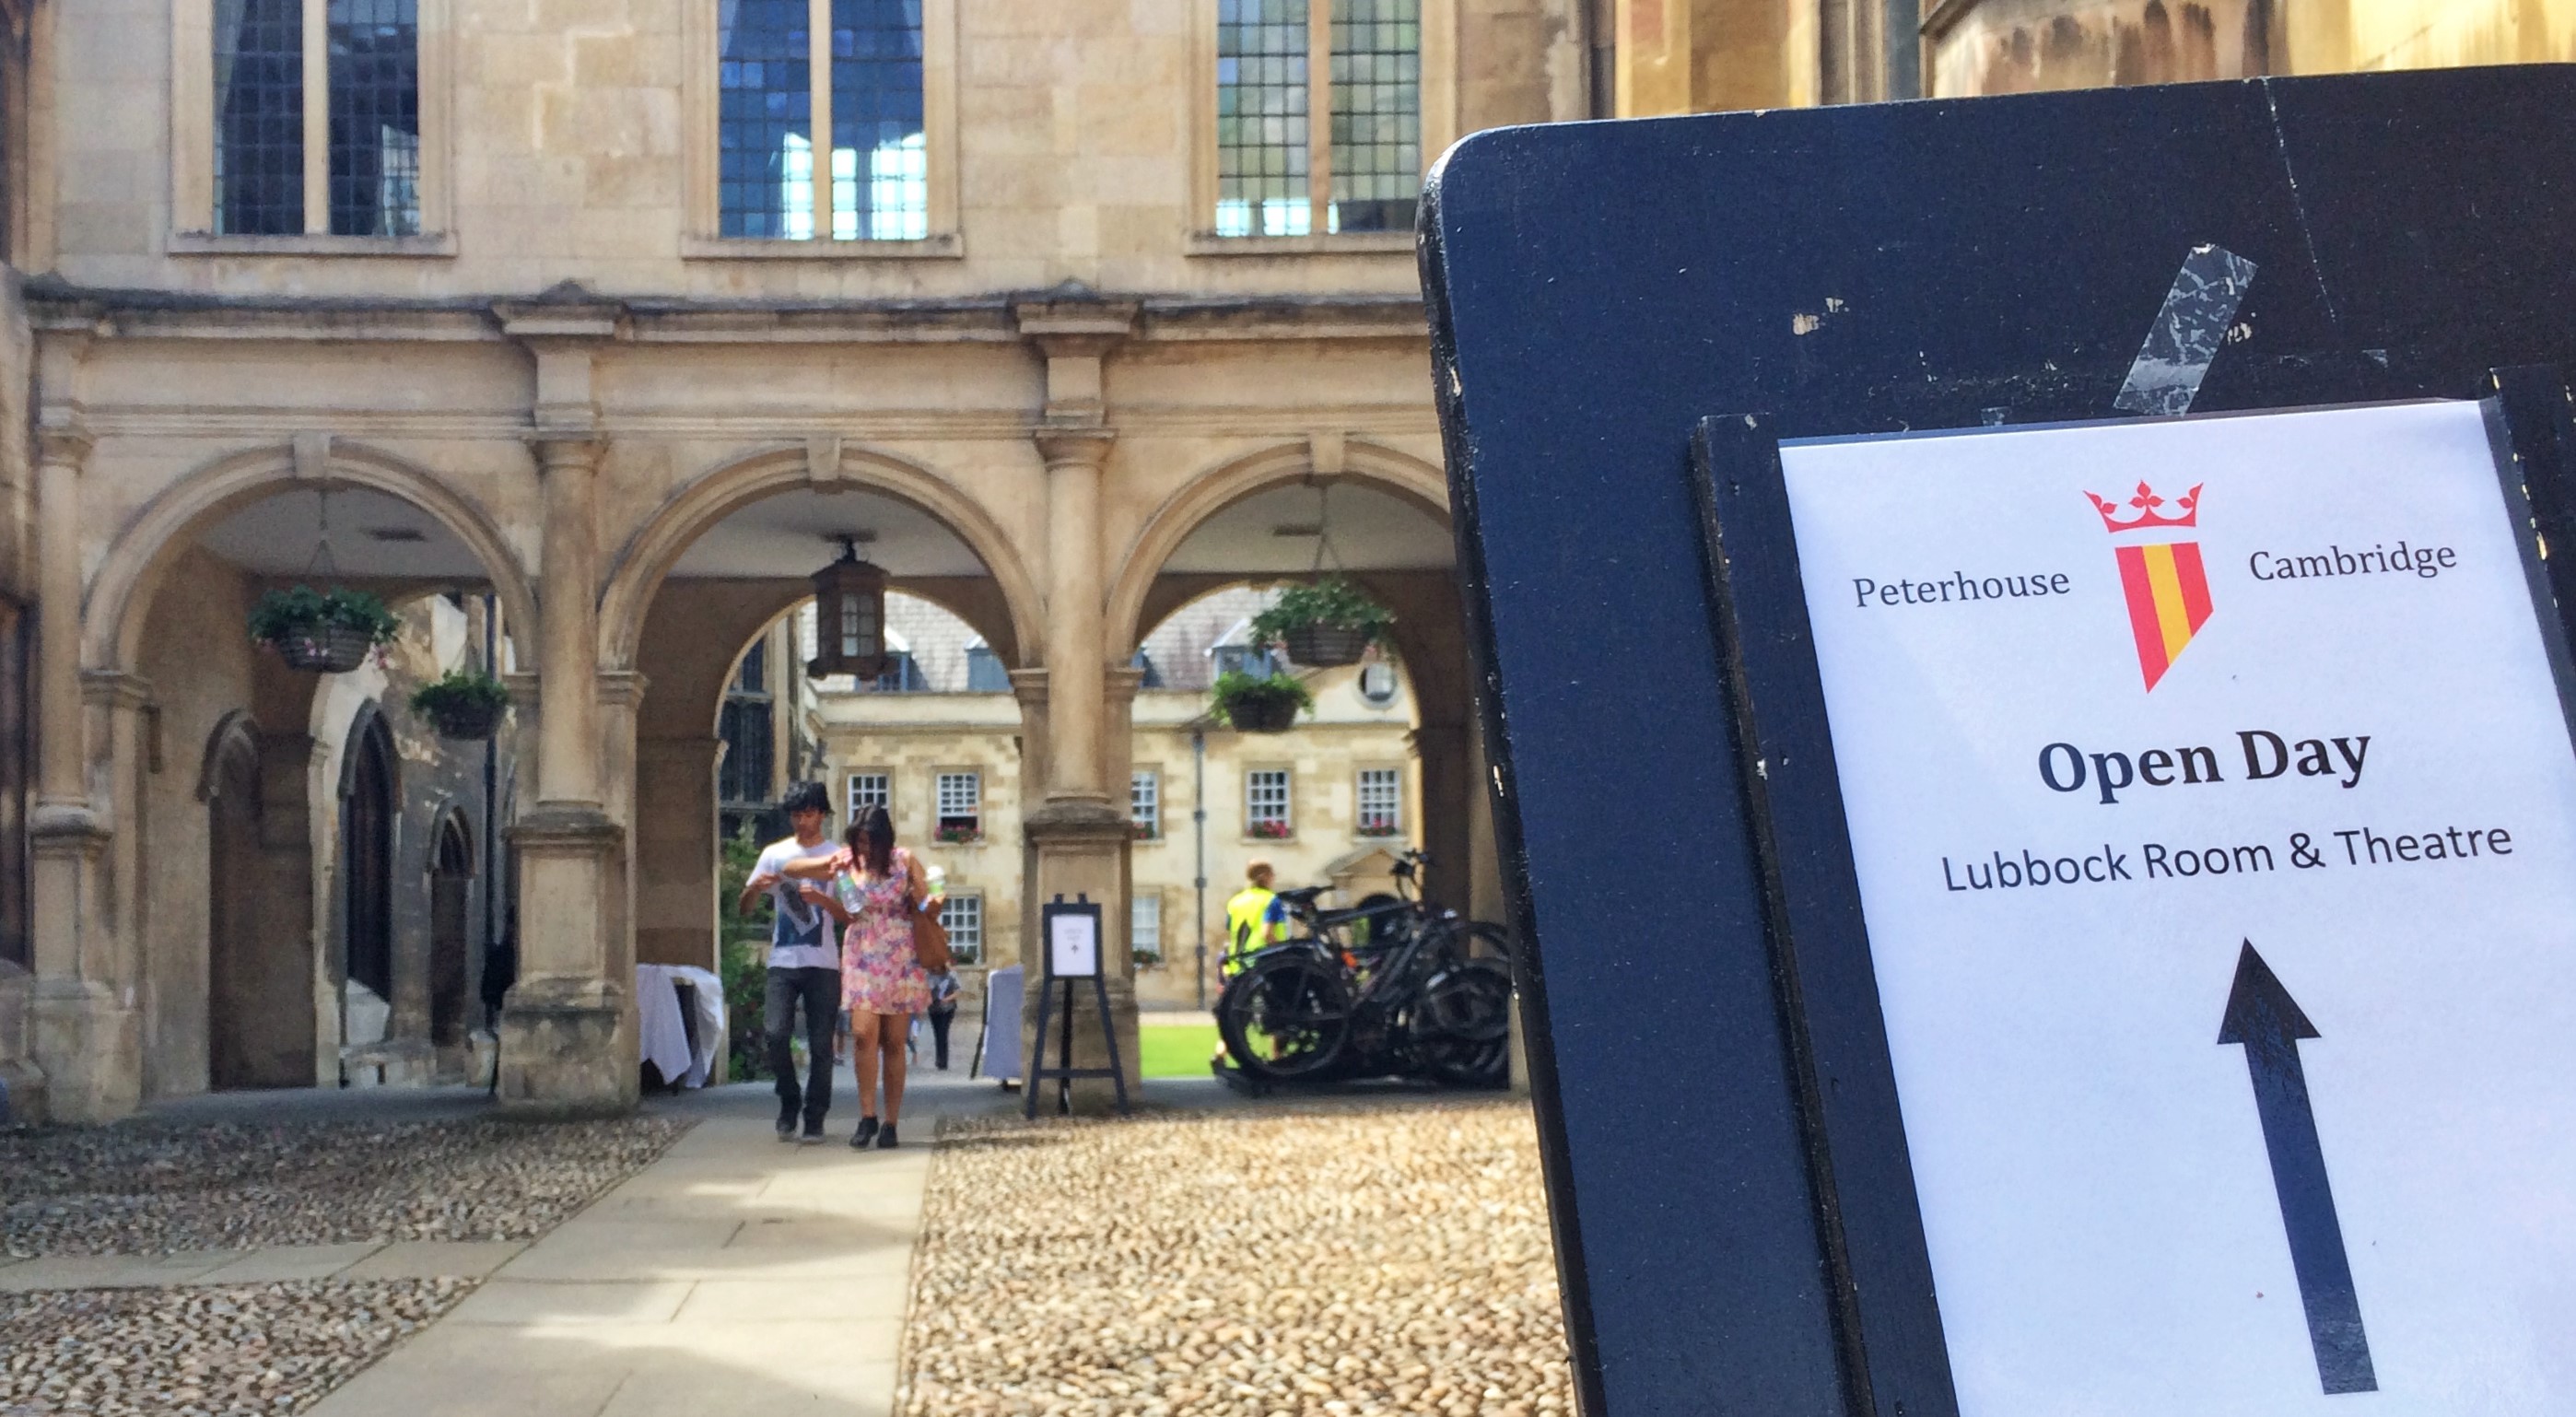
column 1078, row 836
column 566, row 1031
column 83, row 1032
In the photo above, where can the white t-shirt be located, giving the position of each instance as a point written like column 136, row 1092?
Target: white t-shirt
column 800, row 933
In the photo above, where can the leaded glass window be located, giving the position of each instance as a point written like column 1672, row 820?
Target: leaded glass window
column 1262, row 138
column 1279, row 173
column 764, row 130
column 872, row 182
column 880, row 170
column 375, row 117
column 1377, row 114
column 259, row 117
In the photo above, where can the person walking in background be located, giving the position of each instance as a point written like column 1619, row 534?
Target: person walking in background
column 804, row 965
column 875, row 886
column 944, row 989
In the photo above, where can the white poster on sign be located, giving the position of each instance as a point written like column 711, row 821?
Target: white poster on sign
column 2215, row 818
column 1073, row 944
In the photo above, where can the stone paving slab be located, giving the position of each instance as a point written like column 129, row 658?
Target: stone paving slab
column 731, row 1275
column 278, row 1264
column 435, row 1259
column 271, row 1264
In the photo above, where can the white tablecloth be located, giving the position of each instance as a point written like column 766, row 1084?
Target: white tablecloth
column 661, row 1035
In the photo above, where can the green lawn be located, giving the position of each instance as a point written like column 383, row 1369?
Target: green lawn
column 1175, row 1052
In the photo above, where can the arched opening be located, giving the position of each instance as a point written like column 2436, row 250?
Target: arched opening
column 451, row 923
column 316, row 812
column 711, row 602
column 368, row 805
column 1265, row 519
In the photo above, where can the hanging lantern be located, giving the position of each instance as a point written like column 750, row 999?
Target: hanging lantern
column 849, row 616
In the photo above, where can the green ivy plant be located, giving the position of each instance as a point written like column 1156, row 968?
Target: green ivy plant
column 460, row 689
column 1331, row 600
column 283, row 616
column 1236, row 687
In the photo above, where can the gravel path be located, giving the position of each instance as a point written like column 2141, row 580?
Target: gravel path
column 141, row 1189
column 1331, row 1260
column 268, row 1349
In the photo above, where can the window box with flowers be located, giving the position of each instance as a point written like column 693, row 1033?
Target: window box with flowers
column 1380, row 829
column 957, row 834
column 1271, row 831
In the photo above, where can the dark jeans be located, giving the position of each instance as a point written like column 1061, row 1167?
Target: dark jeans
column 939, row 1021
column 820, row 991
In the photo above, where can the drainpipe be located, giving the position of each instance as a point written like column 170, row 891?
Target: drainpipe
column 1198, row 823
column 491, row 808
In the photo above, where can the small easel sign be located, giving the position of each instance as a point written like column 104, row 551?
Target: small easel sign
column 1072, row 933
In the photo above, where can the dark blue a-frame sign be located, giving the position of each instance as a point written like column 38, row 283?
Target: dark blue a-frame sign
column 1629, row 320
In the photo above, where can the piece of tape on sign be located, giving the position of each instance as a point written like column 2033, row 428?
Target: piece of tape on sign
column 2187, row 332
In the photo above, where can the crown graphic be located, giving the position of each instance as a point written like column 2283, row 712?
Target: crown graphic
column 2149, row 509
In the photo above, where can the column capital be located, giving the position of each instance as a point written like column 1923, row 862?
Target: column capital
column 1081, row 445
column 621, row 688
column 55, row 828
column 115, row 689
column 1121, row 683
column 1029, row 686
column 567, row 450
column 63, row 444
column 577, row 829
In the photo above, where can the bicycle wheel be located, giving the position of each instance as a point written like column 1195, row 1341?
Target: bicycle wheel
column 1464, row 1025
column 1286, row 1017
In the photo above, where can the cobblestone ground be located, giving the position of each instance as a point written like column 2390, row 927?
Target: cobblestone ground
column 141, row 1189
column 1331, row 1260
column 266, row 1349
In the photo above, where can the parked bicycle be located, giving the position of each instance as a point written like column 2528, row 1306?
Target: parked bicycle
column 1390, row 986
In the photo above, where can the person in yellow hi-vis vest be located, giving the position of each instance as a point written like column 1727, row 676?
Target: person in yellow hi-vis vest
column 1255, row 919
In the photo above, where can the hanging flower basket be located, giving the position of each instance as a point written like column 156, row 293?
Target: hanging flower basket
column 1325, row 646
column 463, row 704
column 1260, row 705
column 1325, row 625
column 322, row 632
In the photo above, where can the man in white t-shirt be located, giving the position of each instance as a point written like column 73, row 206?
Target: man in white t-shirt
column 804, row 963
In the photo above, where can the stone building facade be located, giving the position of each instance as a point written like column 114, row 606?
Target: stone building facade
column 938, row 745
column 1690, row 56
column 1061, row 311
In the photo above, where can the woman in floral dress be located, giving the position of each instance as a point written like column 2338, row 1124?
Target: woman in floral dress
column 875, row 885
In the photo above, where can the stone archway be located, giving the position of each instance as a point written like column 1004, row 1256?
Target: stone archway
column 1232, row 481
column 678, row 633
column 1429, row 633
column 642, row 565
column 121, row 593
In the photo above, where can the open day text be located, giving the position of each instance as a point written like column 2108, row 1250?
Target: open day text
column 2067, row 768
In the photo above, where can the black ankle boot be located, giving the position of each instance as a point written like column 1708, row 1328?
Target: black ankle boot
column 885, row 1138
column 866, row 1133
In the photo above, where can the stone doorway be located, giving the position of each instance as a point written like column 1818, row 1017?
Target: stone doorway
column 451, row 900
column 367, row 808
column 243, row 978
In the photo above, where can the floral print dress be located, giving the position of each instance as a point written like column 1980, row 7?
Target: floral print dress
column 880, row 974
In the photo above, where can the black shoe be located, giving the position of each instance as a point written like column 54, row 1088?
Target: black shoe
column 787, row 1123
column 813, row 1133
column 866, row 1133
column 885, row 1138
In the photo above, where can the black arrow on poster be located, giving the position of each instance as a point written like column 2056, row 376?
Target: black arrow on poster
column 2262, row 1016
